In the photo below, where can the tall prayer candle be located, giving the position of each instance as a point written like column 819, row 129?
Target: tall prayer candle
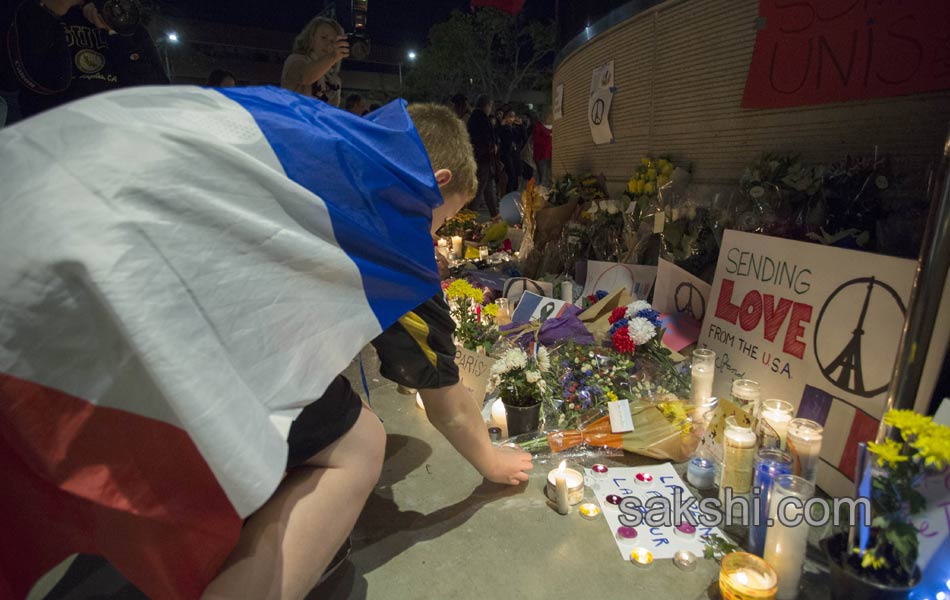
column 702, row 372
column 560, row 482
column 746, row 394
column 777, row 413
column 769, row 464
column 804, row 444
column 457, row 245
column 737, row 459
column 567, row 292
column 785, row 546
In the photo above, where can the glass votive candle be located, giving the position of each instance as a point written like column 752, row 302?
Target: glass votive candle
column 777, row 413
column 483, row 252
column 504, row 312
column 702, row 370
column 701, row 472
column 804, row 444
column 769, row 464
column 738, row 459
column 746, row 394
column 589, row 511
column 626, row 534
column 641, row 557
column 744, row 576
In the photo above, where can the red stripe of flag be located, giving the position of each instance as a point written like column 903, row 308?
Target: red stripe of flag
column 88, row 479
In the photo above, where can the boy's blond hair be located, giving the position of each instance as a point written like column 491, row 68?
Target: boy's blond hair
column 446, row 141
column 303, row 43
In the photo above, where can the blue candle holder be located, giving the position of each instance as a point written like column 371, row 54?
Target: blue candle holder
column 701, row 472
column 769, row 464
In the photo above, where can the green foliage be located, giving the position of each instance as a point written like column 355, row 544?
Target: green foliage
column 489, row 52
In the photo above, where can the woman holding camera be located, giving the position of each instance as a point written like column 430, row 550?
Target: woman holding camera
column 313, row 69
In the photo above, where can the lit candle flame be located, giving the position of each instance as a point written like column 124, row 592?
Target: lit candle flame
column 741, row 577
column 560, row 469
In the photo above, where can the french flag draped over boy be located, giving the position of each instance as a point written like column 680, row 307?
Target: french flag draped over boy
column 183, row 269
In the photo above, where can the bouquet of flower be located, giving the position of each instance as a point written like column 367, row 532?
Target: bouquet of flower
column 463, row 224
column 587, row 380
column 520, row 377
column 475, row 322
column 923, row 448
column 636, row 328
column 563, row 191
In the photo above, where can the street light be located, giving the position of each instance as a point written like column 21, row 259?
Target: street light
column 170, row 38
column 173, row 37
column 411, row 55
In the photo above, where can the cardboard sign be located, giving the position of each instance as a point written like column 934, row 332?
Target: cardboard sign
column 474, row 370
column 814, row 325
column 636, row 279
column 661, row 541
column 679, row 291
column 933, row 524
column 816, row 51
column 533, row 307
column 559, row 102
column 598, row 106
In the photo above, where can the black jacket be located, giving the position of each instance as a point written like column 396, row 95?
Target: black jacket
column 55, row 60
column 482, row 136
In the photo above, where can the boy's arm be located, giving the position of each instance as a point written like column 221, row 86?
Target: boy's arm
column 453, row 412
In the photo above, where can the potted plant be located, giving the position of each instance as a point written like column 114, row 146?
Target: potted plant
column 887, row 567
column 520, row 381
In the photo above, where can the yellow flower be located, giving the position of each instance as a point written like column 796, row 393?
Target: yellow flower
column 651, row 174
column 491, row 310
column 640, row 186
column 908, row 422
column 611, row 396
column 662, row 164
column 933, row 447
column 645, row 161
column 667, row 169
column 459, row 289
column 649, row 188
column 632, row 186
column 869, row 560
column 888, row 453
column 662, row 180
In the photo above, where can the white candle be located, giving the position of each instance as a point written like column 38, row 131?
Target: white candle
column 778, row 413
column 702, row 371
column 738, row 459
column 804, row 444
column 560, row 482
column 443, row 247
column 785, row 546
column 746, row 394
column 572, row 477
column 483, row 252
column 457, row 245
column 498, row 416
column 567, row 292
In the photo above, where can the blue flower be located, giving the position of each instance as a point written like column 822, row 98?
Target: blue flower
column 618, row 324
column 601, row 294
column 650, row 315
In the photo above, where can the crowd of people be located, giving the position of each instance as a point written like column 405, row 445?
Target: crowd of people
column 510, row 149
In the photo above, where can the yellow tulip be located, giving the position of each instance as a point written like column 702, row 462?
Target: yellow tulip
column 662, row 180
column 640, row 186
column 649, row 188
column 667, row 170
column 651, row 174
column 645, row 161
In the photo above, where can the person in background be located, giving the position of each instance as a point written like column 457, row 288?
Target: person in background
column 313, row 68
column 461, row 106
column 482, row 135
column 510, row 140
column 355, row 104
column 541, row 138
column 61, row 50
column 221, row 78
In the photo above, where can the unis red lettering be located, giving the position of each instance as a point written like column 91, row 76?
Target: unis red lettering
column 774, row 315
column 725, row 309
column 801, row 313
column 751, row 310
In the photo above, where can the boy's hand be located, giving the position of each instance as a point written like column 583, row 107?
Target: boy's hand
column 510, row 466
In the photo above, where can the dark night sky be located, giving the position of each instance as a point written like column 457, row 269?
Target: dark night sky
column 396, row 22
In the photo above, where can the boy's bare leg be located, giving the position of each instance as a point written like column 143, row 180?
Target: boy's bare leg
column 285, row 546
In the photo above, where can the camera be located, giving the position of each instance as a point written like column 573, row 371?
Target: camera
column 352, row 16
column 359, row 45
column 122, row 16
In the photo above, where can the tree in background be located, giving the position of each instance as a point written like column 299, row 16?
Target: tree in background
column 485, row 52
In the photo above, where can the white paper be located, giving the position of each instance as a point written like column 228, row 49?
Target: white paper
column 678, row 291
column 621, row 421
column 663, row 542
column 602, row 88
column 636, row 279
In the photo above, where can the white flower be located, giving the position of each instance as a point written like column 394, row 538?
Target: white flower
column 499, row 368
column 641, row 330
column 516, row 358
column 544, row 359
column 542, row 387
column 610, row 206
column 635, row 307
column 532, row 376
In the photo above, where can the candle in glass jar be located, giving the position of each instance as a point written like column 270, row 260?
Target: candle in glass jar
column 785, row 546
column 743, row 576
column 641, row 557
column 804, row 444
column 769, row 464
column 701, row 472
column 746, row 394
column 702, row 372
column 457, row 245
column 575, row 485
column 567, row 292
column 483, row 252
column 504, row 312
column 737, row 459
column 443, row 246
column 777, row 413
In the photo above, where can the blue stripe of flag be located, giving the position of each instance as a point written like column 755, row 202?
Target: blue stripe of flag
column 376, row 180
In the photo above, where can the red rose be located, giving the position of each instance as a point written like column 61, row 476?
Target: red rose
column 617, row 314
